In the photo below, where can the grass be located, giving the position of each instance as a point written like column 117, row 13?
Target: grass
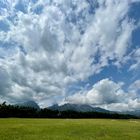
column 69, row 129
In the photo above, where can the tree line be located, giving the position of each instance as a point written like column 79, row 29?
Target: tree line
column 7, row 111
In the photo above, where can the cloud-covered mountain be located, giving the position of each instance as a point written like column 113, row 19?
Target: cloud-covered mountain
column 78, row 108
column 31, row 104
column 89, row 108
column 75, row 51
column 135, row 113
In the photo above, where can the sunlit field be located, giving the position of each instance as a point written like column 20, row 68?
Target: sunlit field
column 69, row 129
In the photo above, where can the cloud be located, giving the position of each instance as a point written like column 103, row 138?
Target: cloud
column 109, row 95
column 135, row 0
column 131, row 105
column 136, row 58
column 135, row 87
column 104, row 91
column 4, row 81
column 59, row 43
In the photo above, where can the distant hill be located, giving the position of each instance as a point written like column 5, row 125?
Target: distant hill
column 135, row 112
column 87, row 108
column 77, row 108
column 31, row 104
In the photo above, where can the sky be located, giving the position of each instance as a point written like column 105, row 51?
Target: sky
column 71, row 51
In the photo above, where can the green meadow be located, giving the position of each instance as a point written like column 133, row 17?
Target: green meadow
column 69, row 129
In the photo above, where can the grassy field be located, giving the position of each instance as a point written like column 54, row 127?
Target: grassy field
column 69, row 129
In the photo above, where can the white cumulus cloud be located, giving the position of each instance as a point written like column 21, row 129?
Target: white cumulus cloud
column 109, row 95
column 53, row 44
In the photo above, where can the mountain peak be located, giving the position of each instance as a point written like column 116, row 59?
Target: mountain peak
column 29, row 103
column 77, row 107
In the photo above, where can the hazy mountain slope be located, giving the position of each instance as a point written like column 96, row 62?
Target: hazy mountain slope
column 78, row 108
column 29, row 104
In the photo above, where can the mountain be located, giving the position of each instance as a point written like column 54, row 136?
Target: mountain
column 31, row 104
column 135, row 113
column 78, row 108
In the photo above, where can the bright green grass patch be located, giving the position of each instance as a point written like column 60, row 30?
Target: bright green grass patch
column 69, row 129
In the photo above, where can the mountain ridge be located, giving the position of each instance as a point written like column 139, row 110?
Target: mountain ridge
column 75, row 107
column 29, row 103
column 78, row 108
